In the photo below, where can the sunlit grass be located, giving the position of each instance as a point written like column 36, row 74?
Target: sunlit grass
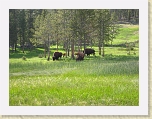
column 127, row 33
column 91, row 82
column 47, row 90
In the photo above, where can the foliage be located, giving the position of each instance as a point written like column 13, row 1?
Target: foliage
column 79, row 27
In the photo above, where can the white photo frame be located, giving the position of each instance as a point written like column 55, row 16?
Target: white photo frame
column 142, row 109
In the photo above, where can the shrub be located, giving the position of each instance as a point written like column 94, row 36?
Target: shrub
column 131, row 48
column 40, row 55
column 23, row 58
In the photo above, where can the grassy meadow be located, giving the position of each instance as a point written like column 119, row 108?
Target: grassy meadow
column 112, row 80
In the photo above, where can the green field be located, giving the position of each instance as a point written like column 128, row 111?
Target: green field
column 98, row 81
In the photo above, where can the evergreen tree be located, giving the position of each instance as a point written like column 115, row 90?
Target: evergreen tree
column 13, row 28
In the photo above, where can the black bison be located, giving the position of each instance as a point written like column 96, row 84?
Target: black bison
column 80, row 56
column 57, row 55
column 89, row 51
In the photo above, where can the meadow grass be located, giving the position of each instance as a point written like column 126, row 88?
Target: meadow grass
column 98, row 81
column 95, row 81
column 127, row 33
column 47, row 90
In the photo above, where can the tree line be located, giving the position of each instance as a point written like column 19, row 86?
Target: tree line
column 74, row 29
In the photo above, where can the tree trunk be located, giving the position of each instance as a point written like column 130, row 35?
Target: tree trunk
column 68, row 52
column 129, row 15
column 84, row 41
column 57, row 44
column 48, row 48
column 99, row 46
column 72, row 49
column 67, row 47
column 99, row 50
column 103, row 49
column 23, row 48
column 15, row 45
column 15, row 30
column 103, row 32
column 79, row 44
column 45, row 49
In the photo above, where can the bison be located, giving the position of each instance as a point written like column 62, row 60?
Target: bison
column 57, row 55
column 89, row 51
column 80, row 56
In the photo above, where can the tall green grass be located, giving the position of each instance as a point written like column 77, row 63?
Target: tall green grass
column 45, row 90
column 91, row 82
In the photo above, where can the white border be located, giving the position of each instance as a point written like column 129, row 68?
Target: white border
column 5, row 109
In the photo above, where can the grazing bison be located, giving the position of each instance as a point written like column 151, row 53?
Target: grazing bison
column 57, row 55
column 89, row 51
column 80, row 56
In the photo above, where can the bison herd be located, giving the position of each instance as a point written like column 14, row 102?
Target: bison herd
column 79, row 55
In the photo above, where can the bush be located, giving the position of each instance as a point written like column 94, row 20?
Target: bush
column 40, row 55
column 131, row 48
column 23, row 58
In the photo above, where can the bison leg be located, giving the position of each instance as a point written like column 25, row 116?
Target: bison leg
column 53, row 58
